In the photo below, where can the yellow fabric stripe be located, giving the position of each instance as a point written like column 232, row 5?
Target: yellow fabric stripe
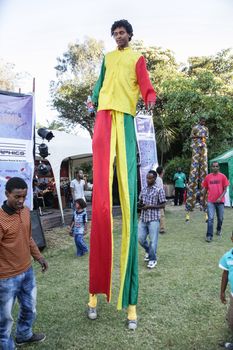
column 121, row 163
column 112, row 157
column 92, row 300
column 132, row 313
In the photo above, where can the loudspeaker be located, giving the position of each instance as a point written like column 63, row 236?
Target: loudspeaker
column 37, row 230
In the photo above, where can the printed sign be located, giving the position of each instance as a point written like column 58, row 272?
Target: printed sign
column 16, row 140
column 145, row 135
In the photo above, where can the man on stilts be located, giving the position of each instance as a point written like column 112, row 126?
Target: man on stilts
column 199, row 165
column 116, row 93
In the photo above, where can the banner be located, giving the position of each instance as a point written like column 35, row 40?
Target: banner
column 147, row 149
column 16, row 140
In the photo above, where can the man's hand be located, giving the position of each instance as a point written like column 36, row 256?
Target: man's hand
column 223, row 298
column 43, row 264
column 219, row 200
column 150, row 105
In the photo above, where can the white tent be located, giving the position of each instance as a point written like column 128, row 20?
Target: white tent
column 61, row 147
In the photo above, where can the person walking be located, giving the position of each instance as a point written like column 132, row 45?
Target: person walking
column 17, row 280
column 215, row 184
column 199, row 165
column 78, row 227
column 152, row 199
column 123, row 75
column 180, row 181
column 78, row 185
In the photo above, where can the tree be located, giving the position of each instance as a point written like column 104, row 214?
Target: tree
column 54, row 125
column 77, row 71
column 8, row 76
column 204, row 87
column 184, row 93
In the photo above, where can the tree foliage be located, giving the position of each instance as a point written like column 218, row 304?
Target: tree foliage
column 8, row 76
column 204, row 86
column 77, row 70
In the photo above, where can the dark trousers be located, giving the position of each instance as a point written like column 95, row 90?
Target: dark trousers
column 179, row 196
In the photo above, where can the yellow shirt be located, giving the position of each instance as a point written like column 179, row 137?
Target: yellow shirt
column 123, row 75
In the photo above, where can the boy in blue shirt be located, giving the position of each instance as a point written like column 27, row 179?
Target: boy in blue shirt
column 226, row 263
column 79, row 226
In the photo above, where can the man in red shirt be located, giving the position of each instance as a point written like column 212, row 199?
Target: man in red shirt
column 215, row 184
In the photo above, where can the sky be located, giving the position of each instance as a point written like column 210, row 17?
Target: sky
column 34, row 33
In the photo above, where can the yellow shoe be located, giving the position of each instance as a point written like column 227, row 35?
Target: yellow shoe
column 187, row 217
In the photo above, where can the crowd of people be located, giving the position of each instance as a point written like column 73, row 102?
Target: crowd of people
column 123, row 76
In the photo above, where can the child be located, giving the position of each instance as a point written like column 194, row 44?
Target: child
column 226, row 263
column 79, row 226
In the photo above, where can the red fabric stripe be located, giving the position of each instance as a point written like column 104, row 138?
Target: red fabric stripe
column 146, row 88
column 101, row 235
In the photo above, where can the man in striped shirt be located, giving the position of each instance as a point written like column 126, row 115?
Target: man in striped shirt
column 17, row 279
column 151, row 199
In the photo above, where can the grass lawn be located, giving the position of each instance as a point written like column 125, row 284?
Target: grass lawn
column 178, row 306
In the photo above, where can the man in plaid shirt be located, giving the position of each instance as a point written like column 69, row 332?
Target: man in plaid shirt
column 151, row 200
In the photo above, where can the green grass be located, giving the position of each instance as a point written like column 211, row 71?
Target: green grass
column 178, row 306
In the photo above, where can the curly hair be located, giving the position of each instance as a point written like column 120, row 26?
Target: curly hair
column 15, row 183
column 81, row 202
column 125, row 24
column 153, row 172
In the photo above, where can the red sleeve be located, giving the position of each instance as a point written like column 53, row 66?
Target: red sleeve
column 225, row 182
column 205, row 183
column 146, row 88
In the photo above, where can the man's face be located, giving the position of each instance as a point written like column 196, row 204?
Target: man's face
column 215, row 168
column 122, row 37
column 150, row 179
column 80, row 174
column 179, row 170
column 202, row 121
column 16, row 198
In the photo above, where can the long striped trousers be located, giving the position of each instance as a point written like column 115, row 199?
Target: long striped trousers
column 198, row 172
column 114, row 136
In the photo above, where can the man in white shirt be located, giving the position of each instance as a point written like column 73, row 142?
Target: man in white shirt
column 78, row 186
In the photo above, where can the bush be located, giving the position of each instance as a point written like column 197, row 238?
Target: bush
column 172, row 165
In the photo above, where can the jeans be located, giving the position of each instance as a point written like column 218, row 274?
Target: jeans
column 211, row 207
column 152, row 229
column 81, row 245
column 22, row 287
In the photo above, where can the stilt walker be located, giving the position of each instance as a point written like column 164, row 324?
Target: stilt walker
column 199, row 165
column 116, row 93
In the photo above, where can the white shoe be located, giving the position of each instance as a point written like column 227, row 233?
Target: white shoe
column 146, row 257
column 132, row 325
column 151, row 264
column 92, row 313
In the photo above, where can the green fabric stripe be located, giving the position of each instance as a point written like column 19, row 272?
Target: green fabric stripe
column 98, row 85
column 130, row 291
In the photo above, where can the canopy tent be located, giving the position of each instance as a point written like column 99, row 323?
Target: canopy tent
column 225, row 161
column 61, row 147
